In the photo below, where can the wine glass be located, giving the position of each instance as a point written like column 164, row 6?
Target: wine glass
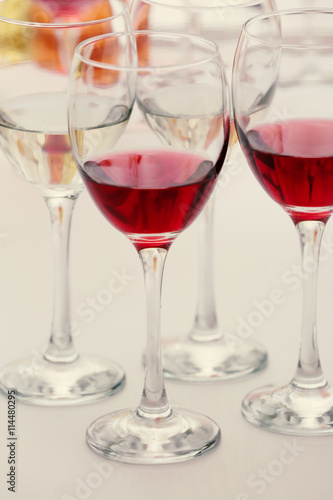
column 283, row 108
column 36, row 50
column 151, row 191
column 205, row 353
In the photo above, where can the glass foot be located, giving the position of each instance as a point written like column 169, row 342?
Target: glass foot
column 195, row 361
column 290, row 409
column 125, row 436
column 41, row 382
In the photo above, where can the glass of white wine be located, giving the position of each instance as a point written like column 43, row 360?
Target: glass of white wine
column 204, row 353
column 37, row 42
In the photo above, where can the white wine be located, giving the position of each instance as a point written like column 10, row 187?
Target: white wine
column 34, row 137
column 190, row 121
column 106, row 125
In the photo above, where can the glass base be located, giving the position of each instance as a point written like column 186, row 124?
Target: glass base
column 290, row 409
column 217, row 360
column 41, row 382
column 125, row 436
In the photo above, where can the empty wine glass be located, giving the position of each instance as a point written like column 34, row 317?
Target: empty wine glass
column 205, row 353
column 151, row 191
column 283, row 108
column 36, row 49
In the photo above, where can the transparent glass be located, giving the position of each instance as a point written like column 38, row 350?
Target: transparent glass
column 282, row 95
column 151, row 191
column 36, row 47
column 205, row 353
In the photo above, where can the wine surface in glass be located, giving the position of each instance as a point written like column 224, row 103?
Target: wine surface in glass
column 154, row 192
column 195, row 130
column 33, row 135
column 293, row 161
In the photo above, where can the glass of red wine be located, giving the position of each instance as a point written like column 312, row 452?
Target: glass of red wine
column 283, row 106
column 37, row 42
column 151, row 191
column 205, row 353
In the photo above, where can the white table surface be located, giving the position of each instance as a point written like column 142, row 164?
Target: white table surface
column 255, row 246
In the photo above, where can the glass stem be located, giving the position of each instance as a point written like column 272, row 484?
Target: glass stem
column 154, row 401
column 205, row 324
column 309, row 372
column 60, row 348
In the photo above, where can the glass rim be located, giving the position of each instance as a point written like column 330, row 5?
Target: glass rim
column 227, row 6
column 279, row 14
column 74, row 24
column 97, row 64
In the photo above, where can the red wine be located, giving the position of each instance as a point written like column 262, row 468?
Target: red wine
column 293, row 161
column 152, row 195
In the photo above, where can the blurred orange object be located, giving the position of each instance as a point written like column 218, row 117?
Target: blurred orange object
column 108, row 52
column 49, row 42
column 45, row 44
column 103, row 51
